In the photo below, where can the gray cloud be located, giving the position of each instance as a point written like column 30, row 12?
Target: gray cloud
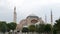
column 26, row 7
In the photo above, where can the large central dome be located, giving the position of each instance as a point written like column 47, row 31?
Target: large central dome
column 32, row 16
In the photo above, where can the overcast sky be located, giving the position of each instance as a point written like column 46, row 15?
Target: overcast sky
column 27, row 7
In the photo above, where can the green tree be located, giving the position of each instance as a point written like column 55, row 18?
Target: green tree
column 11, row 26
column 25, row 29
column 54, row 29
column 41, row 27
column 32, row 28
column 57, row 24
column 37, row 28
column 0, row 25
column 47, row 28
column 3, row 26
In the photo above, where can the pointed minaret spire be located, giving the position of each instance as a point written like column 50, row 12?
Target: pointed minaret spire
column 51, row 18
column 45, row 19
column 15, row 15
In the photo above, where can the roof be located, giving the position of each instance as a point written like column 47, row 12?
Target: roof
column 32, row 16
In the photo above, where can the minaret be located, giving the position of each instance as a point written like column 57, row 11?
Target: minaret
column 51, row 18
column 51, row 22
column 15, row 15
column 45, row 19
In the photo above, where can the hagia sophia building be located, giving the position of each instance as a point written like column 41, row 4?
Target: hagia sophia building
column 29, row 20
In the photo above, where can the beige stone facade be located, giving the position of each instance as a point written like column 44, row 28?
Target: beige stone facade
column 29, row 21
